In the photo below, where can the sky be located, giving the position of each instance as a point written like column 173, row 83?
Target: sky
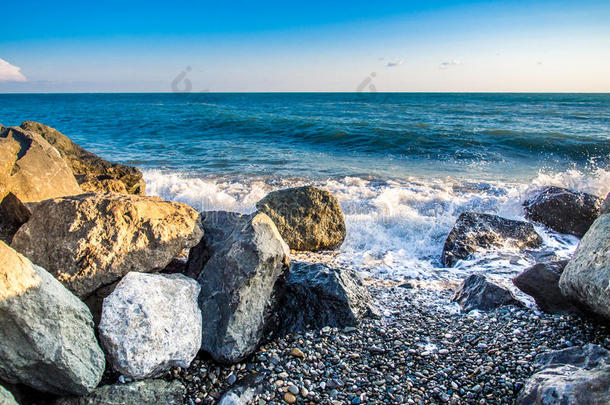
column 235, row 46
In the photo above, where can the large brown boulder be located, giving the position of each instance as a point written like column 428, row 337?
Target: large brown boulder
column 92, row 240
column 31, row 168
column 92, row 172
column 563, row 210
column 308, row 218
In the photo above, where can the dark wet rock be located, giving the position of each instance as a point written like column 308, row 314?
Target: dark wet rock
column 89, row 169
column 308, row 218
column 563, row 210
column 586, row 277
column 46, row 333
column 588, row 356
column 474, row 231
column 13, row 214
column 541, row 281
column 146, row 392
column 477, row 293
column 244, row 390
column 241, row 263
column 605, row 209
column 318, row 295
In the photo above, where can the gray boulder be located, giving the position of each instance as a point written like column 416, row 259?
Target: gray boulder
column 474, row 231
column 6, row 398
column 563, row 210
column 541, row 281
column 150, row 323
column 318, row 295
column 47, row 334
column 588, row 356
column 146, row 392
column 93, row 173
column 477, row 293
column 308, row 218
column 241, row 264
column 605, row 209
column 244, row 390
column 587, row 276
column 13, row 214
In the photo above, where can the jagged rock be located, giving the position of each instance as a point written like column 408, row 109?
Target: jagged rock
column 477, row 293
column 146, row 392
column 563, row 210
column 574, row 376
column 96, row 185
column 474, row 231
column 241, row 264
column 244, row 390
column 605, row 209
column 92, row 240
column 6, row 398
column 31, row 168
column 150, row 323
column 541, row 281
column 46, row 333
column 88, row 168
column 308, row 218
column 13, row 214
column 587, row 276
column 318, row 295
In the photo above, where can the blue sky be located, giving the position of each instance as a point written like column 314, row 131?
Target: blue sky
column 69, row 46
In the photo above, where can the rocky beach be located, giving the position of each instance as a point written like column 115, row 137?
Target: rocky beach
column 112, row 296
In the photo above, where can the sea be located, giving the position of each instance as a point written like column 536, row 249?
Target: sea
column 403, row 166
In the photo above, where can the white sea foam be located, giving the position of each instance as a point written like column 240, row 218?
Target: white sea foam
column 396, row 228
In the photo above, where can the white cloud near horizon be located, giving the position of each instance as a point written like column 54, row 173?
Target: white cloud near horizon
column 10, row 73
column 446, row 64
column 394, row 63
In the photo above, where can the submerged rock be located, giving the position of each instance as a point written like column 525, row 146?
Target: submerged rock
column 477, row 293
column 318, row 295
column 150, row 323
column 46, row 333
column 241, row 264
column 92, row 240
column 31, row 168
column 146, row 392
column 244, row 390
column 474, row 231
column 541, row 281
column 587, row 276
column 308, row 218
column 563, row 210
column 13, row 214
column 93, row 172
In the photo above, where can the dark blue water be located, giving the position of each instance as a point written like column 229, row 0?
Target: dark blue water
column 472, row 136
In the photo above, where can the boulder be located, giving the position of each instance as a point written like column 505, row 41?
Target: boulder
column 146, row 392
column 92, row 240
column 6, row 398
column 47, row 336
column 477, row 293
column 318, row 295
column 88, row 168
column 31, row 168
column 13, row 214
column 605, row 209
column 241, row 264
column 474, row 231
column 244, row 390
column 541, row 281
column 574, row 376
column 150, row 323
column 96, row 185
column 587, row 276
column 563, row 210
column 308, row 218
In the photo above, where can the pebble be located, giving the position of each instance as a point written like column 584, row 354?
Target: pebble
column 289, row 398
column 296, row 352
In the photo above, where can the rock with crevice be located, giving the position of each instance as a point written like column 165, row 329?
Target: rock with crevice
column 146, row 392
column 92, row 240
column 13, row 214
column 476, row 292
column 31, row 168
column 47, row 336
column 91, row 171
column 308, row 218
column 564, row 211
column 475, row 231
column 241, row 264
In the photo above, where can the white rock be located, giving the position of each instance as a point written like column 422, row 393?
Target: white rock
column 151, row 322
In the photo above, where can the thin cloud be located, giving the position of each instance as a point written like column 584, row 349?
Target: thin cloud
column 447, row 64
column 10, row 73
column 394, row 64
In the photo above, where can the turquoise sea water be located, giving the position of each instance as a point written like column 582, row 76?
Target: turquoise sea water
column 403, row 165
